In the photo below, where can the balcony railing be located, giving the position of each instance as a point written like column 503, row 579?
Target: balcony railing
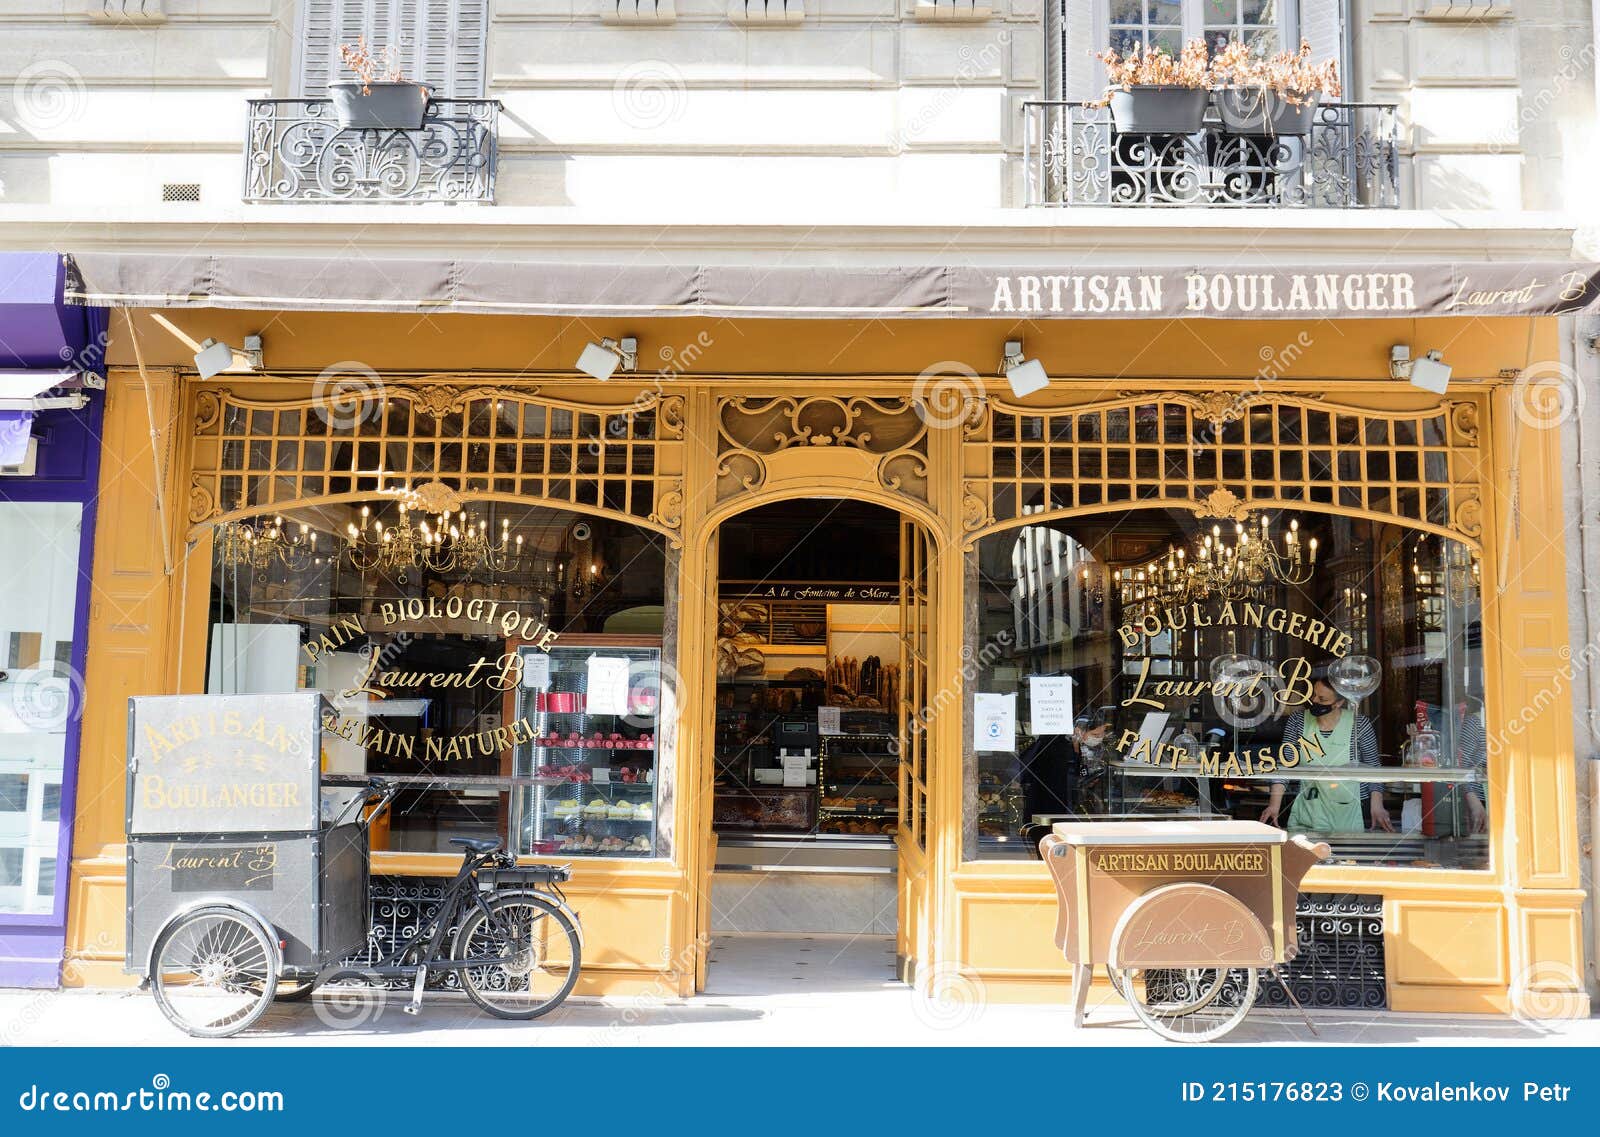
column 297, row 151
column 1073, row 155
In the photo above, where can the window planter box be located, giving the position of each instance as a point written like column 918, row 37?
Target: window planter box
column 379, row 106
column 1159, row 110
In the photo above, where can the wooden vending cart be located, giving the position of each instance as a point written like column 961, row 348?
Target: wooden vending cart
column 1184, row 915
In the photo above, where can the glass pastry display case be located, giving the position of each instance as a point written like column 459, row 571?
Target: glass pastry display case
column 585, row 761
column 860, row 783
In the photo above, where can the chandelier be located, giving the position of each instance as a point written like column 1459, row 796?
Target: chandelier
column 1462, row 576
column 258, row 546
column 1227, row 567
column 439, row 543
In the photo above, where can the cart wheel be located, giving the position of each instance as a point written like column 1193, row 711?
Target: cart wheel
column 212, row 971
column 1159, row 998
column 1176, row 991
column 537, row 953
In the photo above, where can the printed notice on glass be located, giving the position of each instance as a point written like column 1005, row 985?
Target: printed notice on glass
column 828, row 720
column 994, row 722
column 1050, row 700
column 536, row 671
column 608, row 685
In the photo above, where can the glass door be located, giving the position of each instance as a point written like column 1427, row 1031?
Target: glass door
column 916, row 652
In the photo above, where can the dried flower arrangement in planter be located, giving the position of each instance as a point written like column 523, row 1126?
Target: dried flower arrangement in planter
column 1275, row 94
column 1152, row 93
column 381, row 97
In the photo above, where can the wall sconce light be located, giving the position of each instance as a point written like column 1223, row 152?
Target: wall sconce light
column 1430, row 373
column 1025, row 375
column 601, row 360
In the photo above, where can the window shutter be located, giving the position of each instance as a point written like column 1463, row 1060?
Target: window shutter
column 1081, row 75
column 440, row 42
column 1322, row 26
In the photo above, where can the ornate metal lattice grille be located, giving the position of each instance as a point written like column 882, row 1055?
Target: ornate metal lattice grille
column 1223, row 454
column 433, row 442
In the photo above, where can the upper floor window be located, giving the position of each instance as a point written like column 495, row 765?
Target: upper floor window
column 1076, row 29
column 439, row 42
column 1168, row 24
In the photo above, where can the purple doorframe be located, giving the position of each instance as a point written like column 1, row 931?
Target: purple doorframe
column 38, row 331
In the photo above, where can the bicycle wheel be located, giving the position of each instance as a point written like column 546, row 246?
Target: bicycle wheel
column 531, row 956
column 1230, row 995
column 212, row 971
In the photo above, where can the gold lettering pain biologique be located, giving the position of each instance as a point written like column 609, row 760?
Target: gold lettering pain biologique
column 506, row 620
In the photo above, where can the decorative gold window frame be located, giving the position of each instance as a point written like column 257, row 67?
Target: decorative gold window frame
column 436, row 445
column 1224, row 454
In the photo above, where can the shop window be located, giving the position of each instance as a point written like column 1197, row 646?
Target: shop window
column 40, row 693
column 1194, row 691
column 503, row 662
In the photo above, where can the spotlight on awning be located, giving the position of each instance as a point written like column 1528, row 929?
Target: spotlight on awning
column 600, row 360
column 1025, row 375
column 1431, row 372
column 215, row 357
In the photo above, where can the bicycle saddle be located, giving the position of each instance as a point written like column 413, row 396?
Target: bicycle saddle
column 476, row 844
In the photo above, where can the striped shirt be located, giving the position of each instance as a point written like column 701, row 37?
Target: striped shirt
column 1472, row 751
column 1362, row 737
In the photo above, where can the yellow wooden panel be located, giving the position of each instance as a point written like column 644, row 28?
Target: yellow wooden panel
column 1436, row 942
column 1552, row 945
column 1008, row 933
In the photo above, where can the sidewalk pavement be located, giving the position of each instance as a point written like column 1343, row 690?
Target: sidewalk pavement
column 889, row 1015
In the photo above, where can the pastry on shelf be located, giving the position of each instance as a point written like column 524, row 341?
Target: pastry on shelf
column 597, row 810
column 644, row 811
column 567, row 808
column 640, row 844
column 620, row 811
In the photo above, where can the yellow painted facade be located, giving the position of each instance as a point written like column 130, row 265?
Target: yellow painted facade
column 1458, row 941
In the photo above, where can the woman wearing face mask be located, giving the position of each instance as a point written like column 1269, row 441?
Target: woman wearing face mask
column 1053, row 767
column 1344, row 737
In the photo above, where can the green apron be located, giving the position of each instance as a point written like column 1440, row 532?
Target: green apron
column 1328, row 807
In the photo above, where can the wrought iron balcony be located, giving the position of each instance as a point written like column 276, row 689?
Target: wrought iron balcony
column 297, row 151
column 1073, row 155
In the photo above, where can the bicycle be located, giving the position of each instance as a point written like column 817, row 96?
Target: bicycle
column 518, row 948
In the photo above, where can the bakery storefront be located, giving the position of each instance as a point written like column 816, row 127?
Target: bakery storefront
column 761, row 647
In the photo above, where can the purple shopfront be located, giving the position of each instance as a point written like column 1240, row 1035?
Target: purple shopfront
column 51, row 364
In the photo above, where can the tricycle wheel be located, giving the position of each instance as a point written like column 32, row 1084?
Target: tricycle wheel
column 1190, row 1004
column 213, row 971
